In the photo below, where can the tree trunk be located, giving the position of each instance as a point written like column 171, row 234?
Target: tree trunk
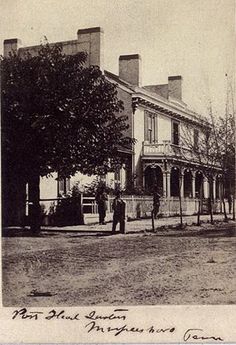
column 210, row 203
column 180, row 204
column 223, row 201
column 34, row 205
column 13, row 197
column 224, row 209
column 199, row 212
column 233, row 206
column 180, row 211
column 199, row 206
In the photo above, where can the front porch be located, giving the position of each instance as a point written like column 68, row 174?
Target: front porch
column 180, row 181
column 166, row 168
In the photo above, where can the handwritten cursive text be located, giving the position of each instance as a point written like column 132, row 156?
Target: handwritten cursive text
column 193, row 334
column 113, row 316
column 24, row 314
column 53, row 314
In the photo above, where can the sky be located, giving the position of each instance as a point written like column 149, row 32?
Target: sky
column 192, row 38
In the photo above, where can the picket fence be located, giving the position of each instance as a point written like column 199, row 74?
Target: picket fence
column 136, row 207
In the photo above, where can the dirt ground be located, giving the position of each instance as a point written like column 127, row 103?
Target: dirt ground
column 69, row 269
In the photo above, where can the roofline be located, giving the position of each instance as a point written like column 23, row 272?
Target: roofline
column 130, row 57
column 170, row 107
column 90, row 30
column 38, row 46
column 124, row 84
column 159, row 101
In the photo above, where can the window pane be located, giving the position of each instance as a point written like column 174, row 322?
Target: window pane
column 175, row 133
column 150, row 135
column 154, row 129
column 149, row 122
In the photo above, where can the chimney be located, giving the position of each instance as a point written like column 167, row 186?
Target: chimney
column 130, row 68
column 91, row 40
column 11, row 45
column 175, row 87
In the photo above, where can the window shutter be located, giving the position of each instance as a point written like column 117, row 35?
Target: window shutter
column 146, row 114
column 175, row 133
column 61, row 186
column 67, row 185
column 156, row 129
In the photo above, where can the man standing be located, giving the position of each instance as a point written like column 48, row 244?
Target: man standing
column 101, row 199
column 118, row 207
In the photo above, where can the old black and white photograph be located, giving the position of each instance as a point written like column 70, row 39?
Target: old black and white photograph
column 118, row 152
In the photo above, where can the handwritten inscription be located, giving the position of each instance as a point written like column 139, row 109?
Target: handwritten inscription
column 115, row 323
column 53, row 314
column 23, row 314
column 113, row 316
column 93, row 326
column 198, row 334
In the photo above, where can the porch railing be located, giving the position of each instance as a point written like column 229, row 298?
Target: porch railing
column 166, row 149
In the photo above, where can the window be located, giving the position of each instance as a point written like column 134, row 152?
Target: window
column 151, row 127
column 63, row 185
column 117, row 175
column 117, row 178
column 195, row 138
column 175, row 133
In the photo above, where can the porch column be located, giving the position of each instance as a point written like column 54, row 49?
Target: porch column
column 181, row 184
column 214, row 188
column 193, row 186
column 164, row 184
column 143, row 171
column 167, row 184
column 205, row 188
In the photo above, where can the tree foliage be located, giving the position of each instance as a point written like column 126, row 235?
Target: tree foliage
column 59, row 115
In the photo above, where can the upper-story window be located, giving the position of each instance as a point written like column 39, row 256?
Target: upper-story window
column 175, row 133
column 151, row 127
column 195, row 138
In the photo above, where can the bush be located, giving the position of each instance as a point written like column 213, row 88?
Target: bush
column 69, row 209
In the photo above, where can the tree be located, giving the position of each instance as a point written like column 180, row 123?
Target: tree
column 201, row 150
column 224, row 146
column 58, row 115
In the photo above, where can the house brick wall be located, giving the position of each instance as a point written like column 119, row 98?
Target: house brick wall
column 175, row 87
column 130, row 69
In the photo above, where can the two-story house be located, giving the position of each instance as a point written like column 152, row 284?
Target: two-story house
column 157, row 117
column 160, row 122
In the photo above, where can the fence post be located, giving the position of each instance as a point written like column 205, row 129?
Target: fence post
column 133, row 208
column 81, row 213
column 153, row 225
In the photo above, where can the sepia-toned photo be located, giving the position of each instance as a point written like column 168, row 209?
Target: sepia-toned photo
column 118, row 154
